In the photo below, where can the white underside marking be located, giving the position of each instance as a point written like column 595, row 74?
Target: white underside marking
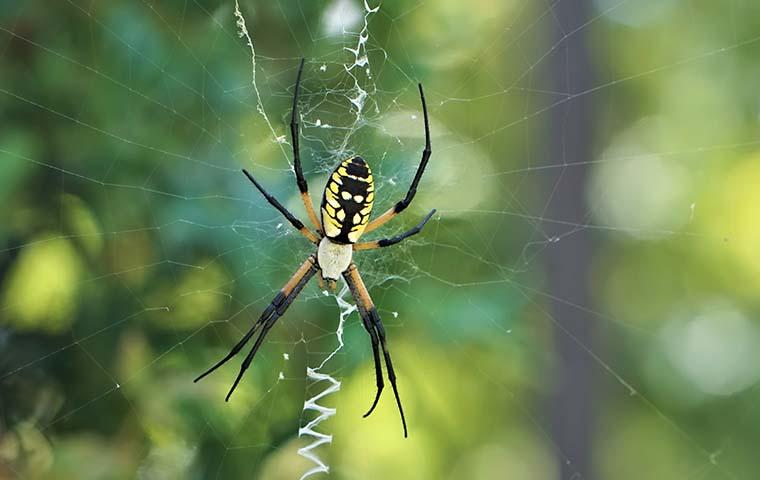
column 333, row 258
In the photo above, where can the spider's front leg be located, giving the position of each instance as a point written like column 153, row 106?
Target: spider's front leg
column 266, row 321
column 374, row 326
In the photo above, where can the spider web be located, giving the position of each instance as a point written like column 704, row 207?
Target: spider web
column 135, row 254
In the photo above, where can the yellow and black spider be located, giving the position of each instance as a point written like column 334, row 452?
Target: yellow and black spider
column 346, row 206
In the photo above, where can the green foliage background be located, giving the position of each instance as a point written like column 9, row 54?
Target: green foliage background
column 133, row 253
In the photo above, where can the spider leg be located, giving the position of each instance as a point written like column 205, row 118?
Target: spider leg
column 388, row 364
column 275, row 310
column 303, row 187
column 370, row 327
column 401, row 205
column 386, row 242
column 368, row 311
column 284, row 211
column 262, row 319
column 378, row 369
column 249, row 358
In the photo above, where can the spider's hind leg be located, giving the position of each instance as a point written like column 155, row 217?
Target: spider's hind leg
column 401, row 205
column 303, row 187
column 284, row 211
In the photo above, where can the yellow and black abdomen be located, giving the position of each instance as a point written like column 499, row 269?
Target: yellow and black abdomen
column 347, row 201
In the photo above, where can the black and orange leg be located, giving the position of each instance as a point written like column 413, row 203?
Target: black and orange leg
column 298, row 224
column 401, row 205
column 387, row 242
column 275, row 310
column 303, row 187
column 374, row 339
column 376, row 331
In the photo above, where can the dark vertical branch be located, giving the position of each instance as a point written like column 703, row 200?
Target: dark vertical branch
column 568, row 259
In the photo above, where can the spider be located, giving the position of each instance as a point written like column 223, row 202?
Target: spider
column 346, row 206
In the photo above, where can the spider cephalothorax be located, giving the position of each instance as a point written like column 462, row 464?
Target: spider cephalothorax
column 346, row 207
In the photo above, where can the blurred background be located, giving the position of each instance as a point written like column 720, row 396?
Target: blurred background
column 583, row 306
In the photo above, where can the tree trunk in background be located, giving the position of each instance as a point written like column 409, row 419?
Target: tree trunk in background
column 568, row 260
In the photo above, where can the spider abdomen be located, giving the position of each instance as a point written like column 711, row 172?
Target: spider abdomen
column 347, row 201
